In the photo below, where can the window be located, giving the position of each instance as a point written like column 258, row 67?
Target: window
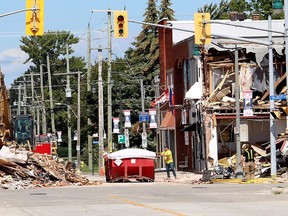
column 169, row 77
column 185, row 76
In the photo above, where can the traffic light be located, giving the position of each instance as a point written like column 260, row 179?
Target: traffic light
column 120, row 24
column 34, row 17
column 202, row 28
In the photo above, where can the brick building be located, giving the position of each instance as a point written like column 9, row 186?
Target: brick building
column 202, row 117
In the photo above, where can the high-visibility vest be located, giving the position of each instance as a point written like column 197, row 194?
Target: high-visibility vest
column 250, row 155
column 167, row 156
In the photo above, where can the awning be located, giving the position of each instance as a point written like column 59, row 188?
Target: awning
column 191, row 127
column 195, row 92
column 168, row 123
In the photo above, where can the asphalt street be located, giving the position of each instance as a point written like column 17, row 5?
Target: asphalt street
column 146, row 199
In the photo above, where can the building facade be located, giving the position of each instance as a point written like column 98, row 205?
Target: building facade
column 203, row 112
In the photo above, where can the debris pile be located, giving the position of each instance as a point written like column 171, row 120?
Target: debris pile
column 21, row 169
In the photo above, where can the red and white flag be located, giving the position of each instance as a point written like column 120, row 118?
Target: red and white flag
column 161, row 99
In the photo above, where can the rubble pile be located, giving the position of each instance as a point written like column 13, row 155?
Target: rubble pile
column 21, row 169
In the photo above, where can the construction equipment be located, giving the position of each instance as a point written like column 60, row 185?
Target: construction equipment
column 22, row 129
column 4, row 111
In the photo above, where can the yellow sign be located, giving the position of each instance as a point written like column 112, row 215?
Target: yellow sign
column 34, row 17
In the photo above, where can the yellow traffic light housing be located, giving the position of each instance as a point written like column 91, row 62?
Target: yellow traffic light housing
column 120, row 24
column 34, row 17
column 202, row 28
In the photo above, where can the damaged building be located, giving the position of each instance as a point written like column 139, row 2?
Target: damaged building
column 203, row 80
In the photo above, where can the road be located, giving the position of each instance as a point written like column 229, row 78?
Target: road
column 147, row 199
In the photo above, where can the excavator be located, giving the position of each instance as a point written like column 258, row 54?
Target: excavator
column 4, row 111
column 19, row 128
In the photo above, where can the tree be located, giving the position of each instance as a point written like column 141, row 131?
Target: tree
column 166, row 11
column 264, row 8
column 146, row 52
column 239, row 6
column 217, row 12
column 54, row 44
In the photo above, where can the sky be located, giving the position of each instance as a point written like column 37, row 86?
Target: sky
column 74, row 16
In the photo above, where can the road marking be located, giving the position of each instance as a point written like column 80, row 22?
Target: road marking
column 147, row 206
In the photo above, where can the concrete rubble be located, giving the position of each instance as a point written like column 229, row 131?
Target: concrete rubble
column 22, row 169
column 192, row 178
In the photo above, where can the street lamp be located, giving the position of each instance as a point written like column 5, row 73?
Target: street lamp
column 78, row 113
column 277, row 7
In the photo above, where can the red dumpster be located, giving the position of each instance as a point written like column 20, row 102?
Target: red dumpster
column 128, row 164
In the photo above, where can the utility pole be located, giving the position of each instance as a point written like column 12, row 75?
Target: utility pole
column 109, row 88
column 237, row 97
column 44, row 124
column 78, row 121
column 271, row 92
column 78, row 116
column 90, row 149
column 158, row 137
column 144, row 134
column 100, row 112
column 121, row 114
column 24, row 96
column 19, row 99
column 89, row 59
column 68, row 97
column 38, row 119
column 51, row 96
column 109, row 85
column 33, row 103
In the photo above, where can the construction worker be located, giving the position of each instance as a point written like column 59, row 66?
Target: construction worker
column 168, row 159
column 248, row 155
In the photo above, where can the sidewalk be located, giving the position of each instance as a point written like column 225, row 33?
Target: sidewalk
column 182, row 177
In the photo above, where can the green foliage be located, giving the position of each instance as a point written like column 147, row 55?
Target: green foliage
column 63, row 152
column 51, row 43
column 217, row 11
column 263, row 7
column 165, row 10
column 239, row 6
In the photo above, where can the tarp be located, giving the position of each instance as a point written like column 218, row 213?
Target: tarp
column 132, row 153
column 195, row 92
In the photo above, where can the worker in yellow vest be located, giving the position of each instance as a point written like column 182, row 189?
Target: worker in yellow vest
column 248, row 161
column 168, row 159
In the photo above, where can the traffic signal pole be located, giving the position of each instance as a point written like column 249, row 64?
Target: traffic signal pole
column 100, row 113
column 214, row 35
column 18, row 11
column 110, row 140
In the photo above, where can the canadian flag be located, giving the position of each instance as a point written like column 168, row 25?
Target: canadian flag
column 161, row 99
